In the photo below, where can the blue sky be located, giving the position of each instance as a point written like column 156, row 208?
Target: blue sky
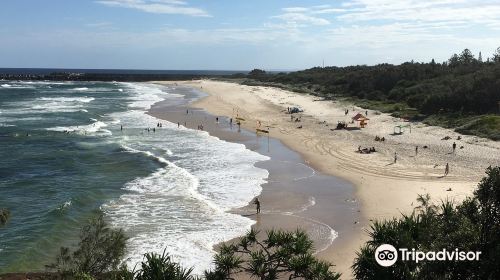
column 240, row 35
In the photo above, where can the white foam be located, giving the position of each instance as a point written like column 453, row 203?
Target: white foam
column 68, row 99
column 81, row 89
column 15, row 86
column 48, row 105
column 90, row 129
column 183, row 206
column 65, row 205
column 45, row 83
column 146, row 95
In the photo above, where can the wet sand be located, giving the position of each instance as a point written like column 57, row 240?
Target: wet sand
column 295, row 196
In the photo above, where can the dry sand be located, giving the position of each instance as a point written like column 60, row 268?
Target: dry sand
column 384, row 188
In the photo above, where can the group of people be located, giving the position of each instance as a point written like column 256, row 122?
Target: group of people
column 366, row 150
column 447, row 166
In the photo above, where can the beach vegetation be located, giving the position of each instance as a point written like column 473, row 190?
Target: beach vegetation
column 276, row 255
column 472, row 225
column 162, row 267
column 100, row 250
column 457, row 90
column 256, row 73
column 280, row 254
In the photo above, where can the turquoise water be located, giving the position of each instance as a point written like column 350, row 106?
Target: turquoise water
column 63, row 155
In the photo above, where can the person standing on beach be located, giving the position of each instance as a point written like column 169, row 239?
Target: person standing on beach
column 446, row 169
column 178, row 125
column 454, row 146
column 121, row 127
column 257, row 204
column 187, row 111
column 416, row 150
column 395, row 157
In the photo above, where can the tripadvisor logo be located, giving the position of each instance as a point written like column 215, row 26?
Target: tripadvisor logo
column 386, row 255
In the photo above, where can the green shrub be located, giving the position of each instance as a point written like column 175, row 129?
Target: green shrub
column 280, row 254
column 472, row 225
column 161, row 267
column 99, row 251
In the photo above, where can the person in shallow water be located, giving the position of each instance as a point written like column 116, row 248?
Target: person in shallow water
column 257, row 205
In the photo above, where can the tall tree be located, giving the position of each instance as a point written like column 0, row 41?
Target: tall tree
column 100, row 250
column 466, row 57
column 454, row 60
column 496, row 55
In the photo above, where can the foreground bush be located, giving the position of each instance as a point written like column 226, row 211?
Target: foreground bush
column 99, row 251
column 161, row 267
column 473, row 225
column 280, row 254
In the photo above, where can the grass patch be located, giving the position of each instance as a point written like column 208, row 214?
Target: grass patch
column 395, row 109
column 487, row 126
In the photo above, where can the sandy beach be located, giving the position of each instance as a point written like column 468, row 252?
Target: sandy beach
column 383, row 188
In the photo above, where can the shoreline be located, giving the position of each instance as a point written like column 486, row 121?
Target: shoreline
column 384, row 190
column 295, row 194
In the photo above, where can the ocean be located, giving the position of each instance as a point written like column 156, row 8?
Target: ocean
column 64, row 155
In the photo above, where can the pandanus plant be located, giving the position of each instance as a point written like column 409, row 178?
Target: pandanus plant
column 280, row 254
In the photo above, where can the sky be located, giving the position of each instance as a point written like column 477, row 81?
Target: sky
column 241, row 34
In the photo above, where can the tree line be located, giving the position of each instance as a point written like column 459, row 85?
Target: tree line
column 456, row 92
column 464, row 83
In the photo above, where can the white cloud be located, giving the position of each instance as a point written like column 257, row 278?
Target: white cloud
column 329, row 11
column 157, row 6
column 296, row 10
column 344, row 33
column 306, row 16
column 301, row 18
column 473, row 11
